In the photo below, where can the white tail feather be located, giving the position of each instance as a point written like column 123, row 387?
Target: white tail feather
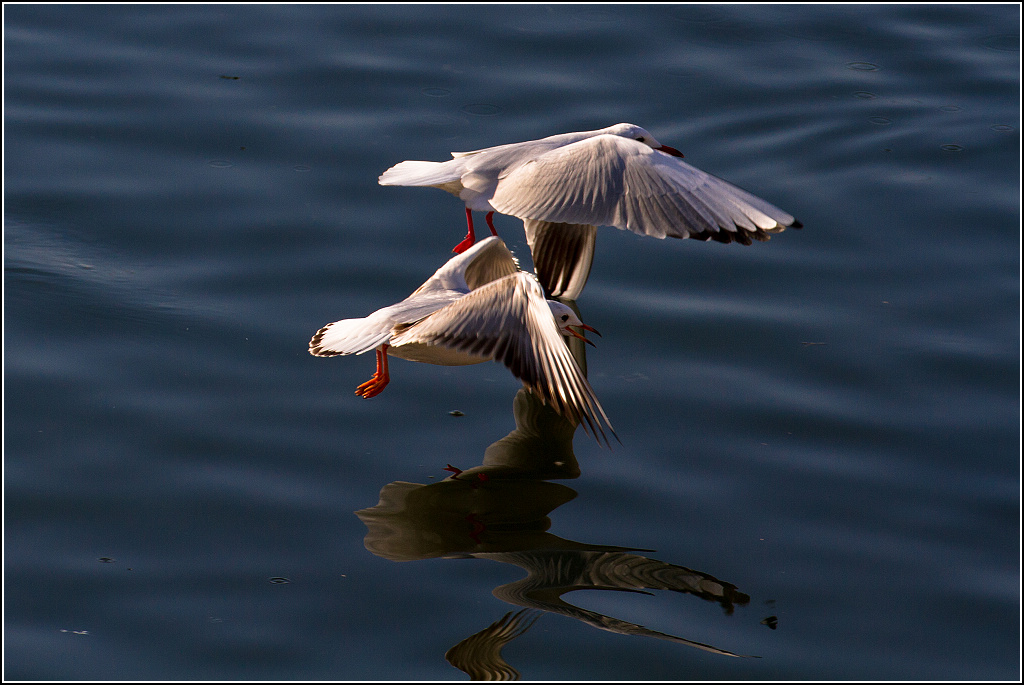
column 348, row 336
column 416, row 173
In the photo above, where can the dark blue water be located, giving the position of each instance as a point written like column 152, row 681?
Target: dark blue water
column 820, row 434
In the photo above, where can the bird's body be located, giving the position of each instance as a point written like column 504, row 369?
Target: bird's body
column 617, row 176
column 475, row 308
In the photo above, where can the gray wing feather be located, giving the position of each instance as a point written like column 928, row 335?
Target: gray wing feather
column 509, row 321
column 562, row 255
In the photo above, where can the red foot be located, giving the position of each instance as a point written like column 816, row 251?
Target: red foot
column 470, row 238
column 490, row 224
column 455, row 471
column 376, row 385
column 466, row 243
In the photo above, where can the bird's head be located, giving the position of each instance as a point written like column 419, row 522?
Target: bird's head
column 642, row 135
column 566, row 317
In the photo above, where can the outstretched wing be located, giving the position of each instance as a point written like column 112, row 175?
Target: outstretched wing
column 485, row 261
column 492, row 262
column 509, row 321
column 609, row 180
column 562, row 255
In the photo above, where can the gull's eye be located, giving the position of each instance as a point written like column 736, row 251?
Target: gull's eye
column 565, row 317
column 640, row 139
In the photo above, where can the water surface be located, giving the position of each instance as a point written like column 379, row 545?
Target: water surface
column 821, row 431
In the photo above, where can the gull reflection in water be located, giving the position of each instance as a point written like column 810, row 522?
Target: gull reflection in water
column 499, row 510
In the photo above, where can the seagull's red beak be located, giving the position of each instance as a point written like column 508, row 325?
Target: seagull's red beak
column 580, row 336
column 669, row 151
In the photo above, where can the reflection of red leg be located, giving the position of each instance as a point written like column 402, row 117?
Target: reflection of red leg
column 470, row 238
column 490, row 224
column 376, row 385
column 478, row 527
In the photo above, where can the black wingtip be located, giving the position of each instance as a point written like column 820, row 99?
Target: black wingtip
column 596, row 431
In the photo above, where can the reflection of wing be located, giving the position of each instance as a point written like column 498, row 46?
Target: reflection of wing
column 554, row 573
column 479, row 655
column 539, row 447
column 562, row 255
column 509, row 321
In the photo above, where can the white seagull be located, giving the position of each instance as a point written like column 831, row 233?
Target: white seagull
column 617, row 176
column 477, row 307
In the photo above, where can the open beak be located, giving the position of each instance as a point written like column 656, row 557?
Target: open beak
column 580, row 336
column 669, row 151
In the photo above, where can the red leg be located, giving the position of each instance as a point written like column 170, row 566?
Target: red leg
column 470, row 238
column 490, row 224
column 376, row 385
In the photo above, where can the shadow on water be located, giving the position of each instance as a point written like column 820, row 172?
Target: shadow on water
column 500, row 511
